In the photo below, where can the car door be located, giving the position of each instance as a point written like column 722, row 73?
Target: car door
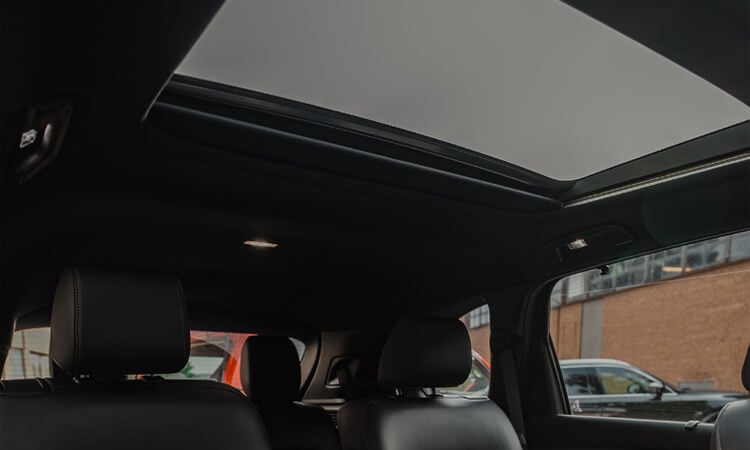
column 580, row 385
column 625, row 393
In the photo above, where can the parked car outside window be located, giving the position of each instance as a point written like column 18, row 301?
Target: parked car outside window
column 613, row 388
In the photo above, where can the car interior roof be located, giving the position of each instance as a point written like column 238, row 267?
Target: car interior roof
column 359, row 242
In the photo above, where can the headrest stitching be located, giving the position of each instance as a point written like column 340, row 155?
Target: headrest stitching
column 420, row 361
column 182, row 301
column 77, row 320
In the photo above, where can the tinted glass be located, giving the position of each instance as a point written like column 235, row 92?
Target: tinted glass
column 615, row 380
column 28, row 356
column 213, row 355
column 216, row 355
column 578, row 381
column 665, row 332
column 535, row 83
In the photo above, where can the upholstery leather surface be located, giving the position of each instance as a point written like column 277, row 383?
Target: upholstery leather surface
column 419, row 353
column 269, row 369
column 425, row 423
column 106, row 325
column 425, row 352
column 270, row 374
column 131, row 415
column 118, row 323
column 299, row 426
column 732, row 427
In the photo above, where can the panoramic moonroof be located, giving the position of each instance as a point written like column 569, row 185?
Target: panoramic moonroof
column 537, row 84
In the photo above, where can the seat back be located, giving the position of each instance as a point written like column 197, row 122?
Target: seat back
column 732, row 427
column 425, row 353
column 128, row 415
column 106, row 326
column 270, row 375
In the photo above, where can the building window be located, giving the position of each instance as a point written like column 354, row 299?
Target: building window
column 654, row 268
column 479, row 317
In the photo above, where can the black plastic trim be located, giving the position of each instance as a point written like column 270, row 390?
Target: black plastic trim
column 264, row 143
column 337, row 127
column 367, row 136
column 705, row 149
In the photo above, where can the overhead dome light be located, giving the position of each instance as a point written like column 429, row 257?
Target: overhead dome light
column 260, row 244
column 577, row 244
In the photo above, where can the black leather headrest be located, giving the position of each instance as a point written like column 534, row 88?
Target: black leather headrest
column 269, row 369
column 118, row 323
column 426, row 352
column 746, row 371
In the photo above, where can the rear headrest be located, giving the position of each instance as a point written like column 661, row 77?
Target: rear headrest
column 746, row 371
column 118, row 323
column 269, row 369
column 426, row 352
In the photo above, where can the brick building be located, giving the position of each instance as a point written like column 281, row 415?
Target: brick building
column 690, row 329
column 680, row 314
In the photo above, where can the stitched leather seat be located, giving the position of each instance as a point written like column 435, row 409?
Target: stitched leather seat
column 271, row 377
column 425, row 353
column 732, row 427
column 107, row 325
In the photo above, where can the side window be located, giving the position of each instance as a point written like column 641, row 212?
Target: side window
column 28, row 356
column 664, row 335
column 579, row 381
column 477, row 384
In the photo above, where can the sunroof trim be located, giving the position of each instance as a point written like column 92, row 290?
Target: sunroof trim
column 215, row 94
column 303, row 119
column 539, row 85
column 655, row 181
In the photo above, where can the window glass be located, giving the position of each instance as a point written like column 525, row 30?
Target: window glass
column 477, row 384
column 28, row 356
column 666, row 332
column 213, row 355
column 616, row 380
column 578, row 381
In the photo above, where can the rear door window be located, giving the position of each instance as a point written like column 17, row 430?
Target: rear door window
column 214, row 355
column 664, row 335
column 28, row 356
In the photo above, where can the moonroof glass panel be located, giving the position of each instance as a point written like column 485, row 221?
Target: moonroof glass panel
column 534, row 83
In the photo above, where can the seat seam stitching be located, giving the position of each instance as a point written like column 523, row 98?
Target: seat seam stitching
column 76, row 321
column 182, row 301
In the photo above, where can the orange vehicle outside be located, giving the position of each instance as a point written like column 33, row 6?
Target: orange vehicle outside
column 231, row 344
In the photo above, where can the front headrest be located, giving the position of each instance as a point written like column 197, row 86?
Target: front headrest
column 269, row 369
column 426, row 352
column 746, row 371
column 118, row 323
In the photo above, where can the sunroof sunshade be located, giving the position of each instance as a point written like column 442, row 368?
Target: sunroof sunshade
column 537, row 84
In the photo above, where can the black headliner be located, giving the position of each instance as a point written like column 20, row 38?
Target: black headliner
column 358, row 242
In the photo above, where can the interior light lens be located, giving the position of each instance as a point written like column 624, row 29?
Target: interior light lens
column 260, row 244
column 577, row 244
